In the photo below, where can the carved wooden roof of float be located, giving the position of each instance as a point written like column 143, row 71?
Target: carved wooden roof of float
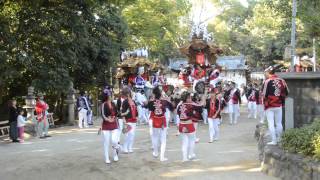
column 196, row 45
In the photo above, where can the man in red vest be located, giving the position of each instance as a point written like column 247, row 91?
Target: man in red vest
column 274, row 92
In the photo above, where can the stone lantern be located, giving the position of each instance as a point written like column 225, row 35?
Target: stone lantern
column 30, row 102
column 71, row 102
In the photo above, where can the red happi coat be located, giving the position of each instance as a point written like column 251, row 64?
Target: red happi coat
column 253, row 95
column 158, row 110
column 234, row 96
column 41, row 108
column 274, row 92
column 213, row 107
column 129, row 105
column 185, row 112
column 109, row 111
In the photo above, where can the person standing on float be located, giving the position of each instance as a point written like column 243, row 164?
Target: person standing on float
column 140, row 98
column 158, row 108
column 275, row 90
column 186, row 126
column 129, row 112
column 109, row 127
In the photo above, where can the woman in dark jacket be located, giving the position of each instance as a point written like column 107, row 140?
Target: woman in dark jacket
column 13, row 114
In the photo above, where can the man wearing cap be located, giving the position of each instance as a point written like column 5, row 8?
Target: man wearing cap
column 274, row 92
column 83, row 108
column 42, row 120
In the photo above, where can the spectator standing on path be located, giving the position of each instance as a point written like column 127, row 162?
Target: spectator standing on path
column 13, row 122
column 42, row 120
column 21, row 123
column 90, row 114
column 83, row 108
column 274, row 92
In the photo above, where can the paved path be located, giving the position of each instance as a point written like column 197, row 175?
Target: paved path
column 77, row 154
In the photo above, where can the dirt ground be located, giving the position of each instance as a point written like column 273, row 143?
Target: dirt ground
column 78, row 155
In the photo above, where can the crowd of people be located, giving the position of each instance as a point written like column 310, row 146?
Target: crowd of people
column 18, row 120
column 186, row 110
column 121, row 114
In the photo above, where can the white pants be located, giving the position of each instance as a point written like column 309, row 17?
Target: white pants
column 213, row 128
column 195, row 124
column 252, row 108
column 129, row 138
column 120, row 127
column 83, row 118
column 188, row 143
column 168, row 116
column 205, row 116
column 142, row 115
column 159, row 140
column 274, row 117
column 261, row 112
column 150, row 128
column 234, row 113
column 107, row 136
column 89, row 117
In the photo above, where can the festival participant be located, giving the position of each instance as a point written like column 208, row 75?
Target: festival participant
column 253, row 95
column 186, row 127
column 83, row 108
column 158, row 108
column 234, row 101
column 140, row 98
column 119, row 103
column 260, row 107
column 198, row 74
column 197, row 115
column 109, row 127
column 157, row 79
column 42, row 120
column 213, row 105
column 274, row 92
column 129, row 112
column 214, row 78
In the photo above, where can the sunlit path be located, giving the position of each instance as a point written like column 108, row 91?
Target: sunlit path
column 77, row 154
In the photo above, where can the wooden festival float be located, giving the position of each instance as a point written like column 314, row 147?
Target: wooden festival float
column 202, row 55
column 127, row 70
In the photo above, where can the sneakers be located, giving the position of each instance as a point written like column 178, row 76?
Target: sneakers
column 154, row 154
column 163, row 159
column 197, row 140
column 116, row 158
column 108, row 162
column 192, row 157
column 272, row 143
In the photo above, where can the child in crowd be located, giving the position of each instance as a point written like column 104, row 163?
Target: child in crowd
column 21, row 123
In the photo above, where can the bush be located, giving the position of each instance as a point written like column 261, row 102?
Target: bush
column 305, row 140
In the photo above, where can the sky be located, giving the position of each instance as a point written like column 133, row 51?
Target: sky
column 203, row 10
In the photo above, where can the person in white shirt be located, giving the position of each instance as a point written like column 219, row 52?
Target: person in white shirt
column 21, row 123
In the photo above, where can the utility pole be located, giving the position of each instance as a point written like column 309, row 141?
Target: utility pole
column 314, row 54
column 293, row 33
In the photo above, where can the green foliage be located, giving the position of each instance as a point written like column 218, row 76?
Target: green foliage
column 155, row 24
column 305, row 140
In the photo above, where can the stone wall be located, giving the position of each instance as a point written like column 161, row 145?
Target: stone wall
column 287, row 166
column 304, row 89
